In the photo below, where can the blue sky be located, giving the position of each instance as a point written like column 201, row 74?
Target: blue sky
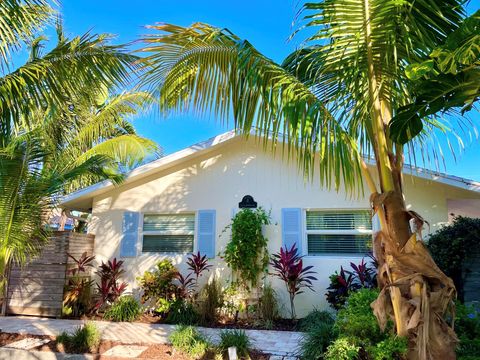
column 267, row 24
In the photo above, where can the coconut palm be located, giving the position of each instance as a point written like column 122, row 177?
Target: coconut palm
column 58, row 130
column 332, row 102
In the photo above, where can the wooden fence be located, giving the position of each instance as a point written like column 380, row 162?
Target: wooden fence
column 37, row 289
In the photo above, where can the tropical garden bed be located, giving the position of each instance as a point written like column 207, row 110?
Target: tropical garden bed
column 172, row 297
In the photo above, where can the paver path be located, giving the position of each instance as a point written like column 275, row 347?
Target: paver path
column 272, row 342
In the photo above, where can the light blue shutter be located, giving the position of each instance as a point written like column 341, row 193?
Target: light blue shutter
column 206, row 232
column 292, row 228
column 128, row 245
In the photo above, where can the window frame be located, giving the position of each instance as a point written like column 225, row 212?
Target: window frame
column 142, row 233
column 306, row 232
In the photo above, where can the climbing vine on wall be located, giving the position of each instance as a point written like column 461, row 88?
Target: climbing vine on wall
column 246, row 253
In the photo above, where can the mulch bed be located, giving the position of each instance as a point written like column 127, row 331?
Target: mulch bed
column 279, row 325
column 60, row 348
column 223, row 323
column 158, row 351
column 8, row 338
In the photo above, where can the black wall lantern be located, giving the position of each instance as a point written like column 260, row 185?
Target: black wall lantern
column 247, row 203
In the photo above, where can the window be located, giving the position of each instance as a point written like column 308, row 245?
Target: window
column 168, row 233
column 338, row 232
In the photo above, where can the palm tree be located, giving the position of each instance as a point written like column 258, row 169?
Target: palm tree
column 58, row 130
column 83, row 130
column 332, row 103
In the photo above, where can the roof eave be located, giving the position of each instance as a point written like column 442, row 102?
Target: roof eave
column 85, row 196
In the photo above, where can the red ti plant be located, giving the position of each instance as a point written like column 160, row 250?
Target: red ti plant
column 198, row 264
column 109, row 288
column 362, row 275
column 81, row 263
column 78, row 287
column 340, row 286
column 187, row 285
column 288, row 266
column 365, row 276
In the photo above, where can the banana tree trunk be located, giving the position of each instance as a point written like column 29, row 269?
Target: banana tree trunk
column 415, row 293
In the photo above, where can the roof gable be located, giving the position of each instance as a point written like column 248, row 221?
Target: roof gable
column 81, row 198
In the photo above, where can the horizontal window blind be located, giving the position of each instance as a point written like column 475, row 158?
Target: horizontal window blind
column 338, row 232
column 172, row 233
column 319, row 244
column 168, row 243
column 177, row 222
column 339, row 220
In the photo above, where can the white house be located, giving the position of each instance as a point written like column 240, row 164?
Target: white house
column 182, row 203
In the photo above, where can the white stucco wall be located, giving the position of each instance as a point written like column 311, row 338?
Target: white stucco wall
column 219, row 180
column 463, row 207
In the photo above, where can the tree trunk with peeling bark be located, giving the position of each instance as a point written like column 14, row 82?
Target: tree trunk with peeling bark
column 415, row 293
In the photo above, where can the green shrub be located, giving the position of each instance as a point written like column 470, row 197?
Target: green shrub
column 469, row 357
column 189, row 341
column 390, row 348
column 182, row 313
column 267, row 309
column 211, row 299
column 357, row 323
column 452, row 245
column 467, row 321
column 342, row 349
column 356, row 319
column 314, row 319
column 319, row 333
column 84, row 339
column 158, row 286
column 236, row 338
column 125, row 308
column 467, row 327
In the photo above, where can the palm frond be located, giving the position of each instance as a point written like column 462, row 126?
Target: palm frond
column 47, row 81
column 211, row 70
column 110, row 117
column 20, row 20
column 126, row 149
column 335, row 62
column 445, row 81
column 24, row 195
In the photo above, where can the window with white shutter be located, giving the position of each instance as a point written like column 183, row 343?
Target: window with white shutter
column 168, row 233
column 338, row 232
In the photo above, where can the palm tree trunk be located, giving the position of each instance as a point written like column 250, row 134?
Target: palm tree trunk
column 414, row 291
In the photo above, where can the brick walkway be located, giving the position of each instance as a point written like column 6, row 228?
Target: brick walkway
column 271, row 342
